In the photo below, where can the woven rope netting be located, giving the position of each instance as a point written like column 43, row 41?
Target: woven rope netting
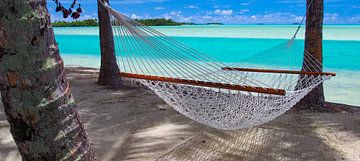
column 209, row 91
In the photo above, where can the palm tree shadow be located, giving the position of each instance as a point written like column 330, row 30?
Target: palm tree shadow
column 140, row 131
column 283, row 139
column 343, row 118
column 129, row 123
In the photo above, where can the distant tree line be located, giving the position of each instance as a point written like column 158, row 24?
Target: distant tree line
column 159, row 22
column 89, row 22
column 214, row 23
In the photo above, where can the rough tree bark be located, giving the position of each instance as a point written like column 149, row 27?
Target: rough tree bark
column 313, row 44
column 36, row 96
column 109, row 69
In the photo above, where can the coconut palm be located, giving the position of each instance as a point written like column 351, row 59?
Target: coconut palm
column 36, row 95
column 109, row 70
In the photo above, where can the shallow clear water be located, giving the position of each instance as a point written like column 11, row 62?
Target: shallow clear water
column 80, row 46
column 331, row 32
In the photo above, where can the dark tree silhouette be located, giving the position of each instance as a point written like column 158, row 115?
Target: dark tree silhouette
column 66, row 12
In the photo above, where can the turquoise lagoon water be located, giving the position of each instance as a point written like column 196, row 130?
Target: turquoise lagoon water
column 80, row 47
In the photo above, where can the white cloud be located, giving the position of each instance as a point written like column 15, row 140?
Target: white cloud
column 253, row 17
column 244, row 11
column 277, row 15
column 244, row 4
column 298, row 18
column 331, row 16
column 223, row 12
column 159, row 8
column 206, row 17
column 355, row 19
column 184, row 19
column 192, row 7
column 177, row 16
column 176, row 13
column 85, row 17
column 167, row 16
column 134, row 16
column 173, row 15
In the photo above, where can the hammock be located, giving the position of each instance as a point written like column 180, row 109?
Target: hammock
column 222, row 96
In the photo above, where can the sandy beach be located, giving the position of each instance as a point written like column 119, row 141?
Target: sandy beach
column 134, row 124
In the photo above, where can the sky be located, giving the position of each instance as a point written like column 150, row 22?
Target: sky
column 223, row 11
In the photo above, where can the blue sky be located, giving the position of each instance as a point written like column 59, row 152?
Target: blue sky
column 225, row 11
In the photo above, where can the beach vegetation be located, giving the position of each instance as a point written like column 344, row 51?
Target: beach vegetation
column 214, row 23
column 83, row 23
column 159, row 22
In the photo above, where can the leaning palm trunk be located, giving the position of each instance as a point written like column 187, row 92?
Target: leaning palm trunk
column 109, row 70
column 37, row 99
column 313, row 45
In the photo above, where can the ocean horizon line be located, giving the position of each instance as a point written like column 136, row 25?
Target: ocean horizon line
column 331, row 32
column 265, row 24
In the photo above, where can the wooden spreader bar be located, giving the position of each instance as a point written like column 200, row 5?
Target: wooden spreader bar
column 277, row 71
column 205, row 84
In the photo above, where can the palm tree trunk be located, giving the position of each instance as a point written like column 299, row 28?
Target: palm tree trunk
column 37, row 99
column 109, row 70
column 313, row 44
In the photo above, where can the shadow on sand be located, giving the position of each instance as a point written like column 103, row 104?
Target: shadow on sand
column 134, row 124
column 268, row 142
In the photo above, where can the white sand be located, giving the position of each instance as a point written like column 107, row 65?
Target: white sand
column 134, row 124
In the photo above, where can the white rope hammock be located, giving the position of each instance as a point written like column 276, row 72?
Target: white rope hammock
column 219, row 95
